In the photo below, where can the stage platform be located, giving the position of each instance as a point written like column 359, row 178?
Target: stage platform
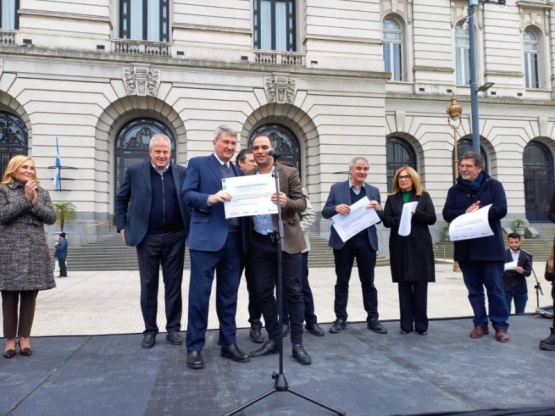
column 357, row 371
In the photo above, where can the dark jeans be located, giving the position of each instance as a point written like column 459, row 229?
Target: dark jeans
column 520, row 300
column 309, row 316
column 166, row 250
column 478, row 274
column 264, row 261
column 63, row 267
column 357, row 247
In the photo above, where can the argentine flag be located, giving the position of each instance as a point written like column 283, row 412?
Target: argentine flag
column 58, row 165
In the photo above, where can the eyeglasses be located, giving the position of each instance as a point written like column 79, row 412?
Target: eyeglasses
column 467, row 166
column 404, row 176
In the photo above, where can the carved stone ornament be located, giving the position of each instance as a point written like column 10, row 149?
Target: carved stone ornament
column 141, row 80
column 280, row 89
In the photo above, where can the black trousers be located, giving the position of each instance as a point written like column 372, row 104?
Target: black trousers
column 357, row 247
column 263, row 255
column 309, row 315
column 166, row 250
column 254, row 308
column 413, row 304
column 63, row 267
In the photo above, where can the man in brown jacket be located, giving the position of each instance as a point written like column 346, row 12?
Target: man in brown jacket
column 263, row 253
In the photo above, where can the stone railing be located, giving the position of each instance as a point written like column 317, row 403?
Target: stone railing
column 7, row 38
column 279, row 58
column 140, row 47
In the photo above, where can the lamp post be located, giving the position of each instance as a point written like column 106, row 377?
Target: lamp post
column 454, row 112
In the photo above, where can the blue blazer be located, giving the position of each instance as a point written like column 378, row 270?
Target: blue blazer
column 340, row 193
column 209, row 227
column 61, row 249
column 134, row 199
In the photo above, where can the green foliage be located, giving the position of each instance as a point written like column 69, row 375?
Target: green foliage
column 65, row 212
column 520, row 222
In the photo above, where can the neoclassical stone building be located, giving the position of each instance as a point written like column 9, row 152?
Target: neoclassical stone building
column 327, row 79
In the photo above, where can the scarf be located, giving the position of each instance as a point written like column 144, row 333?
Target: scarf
column 472, row 186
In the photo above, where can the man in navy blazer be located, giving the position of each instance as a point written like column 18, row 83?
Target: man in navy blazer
column 215, row 245
column 150, row 216
column 514, row 280
column 362, row 246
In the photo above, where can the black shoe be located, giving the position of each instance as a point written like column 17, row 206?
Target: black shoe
column 375, row 325
column 285, row 330
column 300, row 354
column 315, row 330
column 235, row 354
column 194, row 360
column 174, row 338
column 148, row 341
column 422, row 332
column 404, row 332
column 338, row 326
column 269, row 347
column 256, row 333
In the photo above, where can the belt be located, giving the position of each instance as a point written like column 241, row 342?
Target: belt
column 28, row 219
column 274, row 236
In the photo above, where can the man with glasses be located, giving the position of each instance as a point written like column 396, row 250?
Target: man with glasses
column 481, row 259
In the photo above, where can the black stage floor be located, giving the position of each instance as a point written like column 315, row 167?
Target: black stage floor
column 357, row 371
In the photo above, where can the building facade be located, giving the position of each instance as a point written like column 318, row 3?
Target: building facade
column 328, row 80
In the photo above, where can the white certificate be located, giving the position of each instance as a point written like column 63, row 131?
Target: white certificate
column 250, row 195
column 471, row 225
column 360, row 218
column 406, row 217
column 511, row 266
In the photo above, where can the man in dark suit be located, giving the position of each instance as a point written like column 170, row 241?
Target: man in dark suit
column 263, row 253
column 150, row 216
column 215, row 245
column 514, row 280
column 362, row 246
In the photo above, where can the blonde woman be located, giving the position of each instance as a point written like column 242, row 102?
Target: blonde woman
column 412, row 257
column 25, row 265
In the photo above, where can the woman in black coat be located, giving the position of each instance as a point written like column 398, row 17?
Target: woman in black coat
column 411, row 256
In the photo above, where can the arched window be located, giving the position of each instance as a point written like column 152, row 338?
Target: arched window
column 274, row 24
column 284, row 141
column 462, row 53
column 132, row 144
column 144, row 20
column 465, row 145
column 13, row 139
column 9, row 16
column 399, row 153
column 393, row 48
column 538, row 180
column 531, row 59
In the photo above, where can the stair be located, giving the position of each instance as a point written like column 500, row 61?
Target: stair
column 109, row 252
column 539, row 247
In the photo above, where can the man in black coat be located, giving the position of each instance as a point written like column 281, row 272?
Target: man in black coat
column 481, row 259
column 514, row 279
column 151, row 217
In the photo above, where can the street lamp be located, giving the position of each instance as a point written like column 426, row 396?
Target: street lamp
column 454, row 112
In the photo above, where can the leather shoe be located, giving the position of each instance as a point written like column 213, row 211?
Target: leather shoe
column 148, row 341
column 194, row 360
column 269, row 347
column 300, row 354
column 315, row 330
column 375, row 325
column 174, row 338
column 501, row 335
column 256, row 334
column 285, row 330
column 479, row 331
column 338, row 326
column 9, row 354
column 235, row 354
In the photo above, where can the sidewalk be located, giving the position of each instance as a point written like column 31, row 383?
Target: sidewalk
column 97, row 303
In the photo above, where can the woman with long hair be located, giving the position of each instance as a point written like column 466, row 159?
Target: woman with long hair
column 411, row 256
column 25, row 264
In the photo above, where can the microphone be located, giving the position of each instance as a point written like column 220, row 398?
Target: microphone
column 273, row 153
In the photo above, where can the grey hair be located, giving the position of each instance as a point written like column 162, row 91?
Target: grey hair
column 476, row 157
column 158, row 137
column 224, row 129
column 358, row 159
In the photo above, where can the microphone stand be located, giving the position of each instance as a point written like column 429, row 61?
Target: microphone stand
column 280, row 382
column 538, row 285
